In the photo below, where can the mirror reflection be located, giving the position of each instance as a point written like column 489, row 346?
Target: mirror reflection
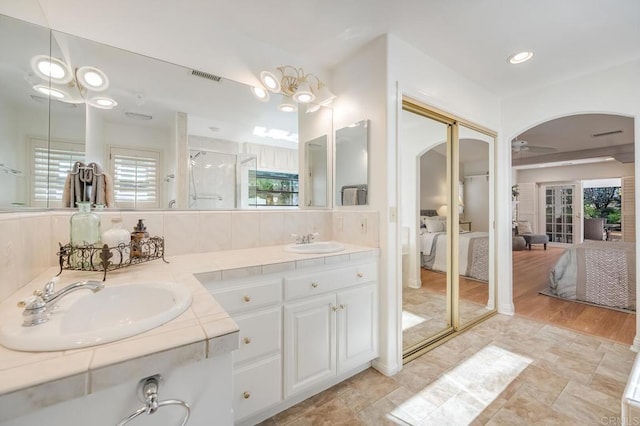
column 316, row 172
column 161, row 115
column 352, row 166
column 474, row 213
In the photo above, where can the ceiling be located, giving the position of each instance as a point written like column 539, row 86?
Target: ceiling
column 581, row 136
column 472, row 37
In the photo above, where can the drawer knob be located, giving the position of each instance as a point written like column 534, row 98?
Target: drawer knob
column 247, row 340
column 334, row 308
column 246, row 299
column 342, row 307
column 246, row 395
column 360, row 274
column 314, row 285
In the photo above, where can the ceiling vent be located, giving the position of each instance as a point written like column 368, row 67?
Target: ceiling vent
column 206, row 75
column 613, row 132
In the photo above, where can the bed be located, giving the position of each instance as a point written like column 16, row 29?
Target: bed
column 599, row 272
column 473, row 248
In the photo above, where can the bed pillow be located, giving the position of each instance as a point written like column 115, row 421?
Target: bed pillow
column 524, row 227
column 435, row 226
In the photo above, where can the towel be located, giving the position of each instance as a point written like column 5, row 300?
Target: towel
column 88, row 183
column 349, row 196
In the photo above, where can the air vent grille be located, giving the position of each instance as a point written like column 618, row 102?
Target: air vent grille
column 206, row 75
column 613, row 132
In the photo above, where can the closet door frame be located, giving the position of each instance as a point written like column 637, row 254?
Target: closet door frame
column 453, row 226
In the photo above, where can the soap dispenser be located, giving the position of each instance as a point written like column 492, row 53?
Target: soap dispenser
column 137, row 236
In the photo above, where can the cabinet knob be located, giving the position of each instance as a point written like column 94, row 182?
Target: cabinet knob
column 360, row 274
column 246, row 395
column 246, row 298
column 247, row 340
column 342, row 307
column 314, row 285
column 334, row 308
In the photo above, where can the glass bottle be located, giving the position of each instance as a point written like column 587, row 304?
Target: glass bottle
column 85, row 226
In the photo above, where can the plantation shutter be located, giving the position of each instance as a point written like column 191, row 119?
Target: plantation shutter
column 52, row 161
column 135, row 177
column 628, row 209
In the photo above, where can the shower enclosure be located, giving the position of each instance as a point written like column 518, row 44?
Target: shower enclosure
column 221, row 181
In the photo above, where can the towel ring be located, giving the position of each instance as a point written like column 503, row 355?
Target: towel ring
column 148, row 392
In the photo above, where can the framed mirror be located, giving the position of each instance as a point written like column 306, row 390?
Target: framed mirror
column 163, row 115
column 352, row 165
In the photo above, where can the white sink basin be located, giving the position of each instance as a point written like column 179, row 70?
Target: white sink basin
column 319, row 247
column 85, row 319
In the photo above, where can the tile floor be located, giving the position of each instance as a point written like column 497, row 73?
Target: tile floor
column 424, row 314
column 504, row 371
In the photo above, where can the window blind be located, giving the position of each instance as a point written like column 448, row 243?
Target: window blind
column 135, row 177
column 51, row 164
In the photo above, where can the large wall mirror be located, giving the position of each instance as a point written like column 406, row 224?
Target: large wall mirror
column 176, row 138
column 352, row 165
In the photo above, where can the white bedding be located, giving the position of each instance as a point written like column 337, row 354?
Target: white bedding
column 440, row 260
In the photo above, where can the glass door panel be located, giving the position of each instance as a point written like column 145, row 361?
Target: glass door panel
column 425, row 169
column 559, row 209
column 475, row 289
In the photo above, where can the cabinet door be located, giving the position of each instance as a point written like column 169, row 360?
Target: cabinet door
column 310, row 342
column 357, row 327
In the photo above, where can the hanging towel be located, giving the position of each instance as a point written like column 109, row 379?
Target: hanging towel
column 349, row 196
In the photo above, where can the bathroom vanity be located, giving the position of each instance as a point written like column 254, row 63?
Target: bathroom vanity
column 304, row 326
column 302, row 322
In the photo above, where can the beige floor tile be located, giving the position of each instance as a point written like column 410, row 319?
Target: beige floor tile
column 333, row 413
column 521, row 410
column 581, row 410
column 382, row 412
column 410, row 407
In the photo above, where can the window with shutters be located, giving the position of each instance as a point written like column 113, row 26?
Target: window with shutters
column 51, row 162
column 135, row 177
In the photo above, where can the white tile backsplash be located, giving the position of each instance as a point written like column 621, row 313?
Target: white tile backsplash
column 30, row 240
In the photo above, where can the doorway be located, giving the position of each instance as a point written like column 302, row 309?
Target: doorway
column 446, row 217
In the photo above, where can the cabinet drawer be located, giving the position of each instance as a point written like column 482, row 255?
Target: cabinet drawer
column 329, row 280
column 259, row 334
column 249, row 296
column 257, row 387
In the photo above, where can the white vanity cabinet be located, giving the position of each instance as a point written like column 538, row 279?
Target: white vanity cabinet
column 330, row 324
column 301, row 330
column 256, row 306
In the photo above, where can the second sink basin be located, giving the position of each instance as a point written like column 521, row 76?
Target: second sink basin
column 87, row 319
column 318, row 247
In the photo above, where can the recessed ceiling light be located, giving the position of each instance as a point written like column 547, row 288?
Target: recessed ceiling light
column 53, row 69
column 50, row 91
column 92, row 78
column 260, row 93
column 520, row 57
column 102, row 102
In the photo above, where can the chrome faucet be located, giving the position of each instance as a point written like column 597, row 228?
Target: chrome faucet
column 305, row 239
column 39, row 307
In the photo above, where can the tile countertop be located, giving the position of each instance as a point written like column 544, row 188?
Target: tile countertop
column 202, row 331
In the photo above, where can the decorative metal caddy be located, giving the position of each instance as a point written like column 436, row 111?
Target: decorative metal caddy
column 105, row 258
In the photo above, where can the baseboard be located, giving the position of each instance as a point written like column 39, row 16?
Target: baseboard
column 415, row 283
column 506, row 309
column 386, row 369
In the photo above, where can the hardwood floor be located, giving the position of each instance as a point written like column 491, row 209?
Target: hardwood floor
column 531, row 274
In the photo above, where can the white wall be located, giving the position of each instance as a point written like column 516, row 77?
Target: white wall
column 615, row 90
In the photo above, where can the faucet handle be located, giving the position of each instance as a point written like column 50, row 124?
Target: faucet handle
column 49, row 288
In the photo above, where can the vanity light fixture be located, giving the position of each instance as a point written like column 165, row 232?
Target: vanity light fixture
column 287, row 104
column 296, row 87
column 520, row 57
column 260, row 93
column 51, row 69
column 92, row 78
column 102, row 102
column 58, row 82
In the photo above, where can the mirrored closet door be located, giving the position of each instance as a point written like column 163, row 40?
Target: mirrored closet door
column 446, row 216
